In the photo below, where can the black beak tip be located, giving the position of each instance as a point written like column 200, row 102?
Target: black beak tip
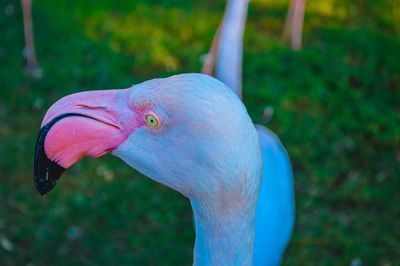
column 42, row 189
column 43, row 185
column 46, row 172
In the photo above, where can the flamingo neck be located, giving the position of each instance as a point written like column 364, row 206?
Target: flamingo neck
column 224, row 234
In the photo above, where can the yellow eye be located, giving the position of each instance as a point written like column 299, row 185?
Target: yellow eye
column 152, row 121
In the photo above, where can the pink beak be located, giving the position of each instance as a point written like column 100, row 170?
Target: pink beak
column 90, row 123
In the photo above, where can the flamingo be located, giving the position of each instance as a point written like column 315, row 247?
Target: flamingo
column 192, row 133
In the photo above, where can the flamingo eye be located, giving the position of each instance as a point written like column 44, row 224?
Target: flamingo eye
column 152, row 121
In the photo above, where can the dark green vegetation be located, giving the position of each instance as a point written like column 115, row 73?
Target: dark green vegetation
column 336, row 108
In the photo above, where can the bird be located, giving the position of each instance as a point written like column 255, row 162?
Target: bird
column 192, row 133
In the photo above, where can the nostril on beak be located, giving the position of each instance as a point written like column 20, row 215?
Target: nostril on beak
column 85, row 106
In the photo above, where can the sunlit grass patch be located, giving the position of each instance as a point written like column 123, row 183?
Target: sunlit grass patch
column 159, row 42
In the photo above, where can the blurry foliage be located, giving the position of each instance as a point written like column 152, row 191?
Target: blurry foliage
column 336, row 107
column 153, row 43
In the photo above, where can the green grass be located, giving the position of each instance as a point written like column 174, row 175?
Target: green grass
column 336, row 108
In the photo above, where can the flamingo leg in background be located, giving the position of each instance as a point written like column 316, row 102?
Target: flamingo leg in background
column 226, row 50
column 294, row 24
column 209, row 62
column 32, row 65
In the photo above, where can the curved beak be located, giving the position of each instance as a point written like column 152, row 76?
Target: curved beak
column 89, row 123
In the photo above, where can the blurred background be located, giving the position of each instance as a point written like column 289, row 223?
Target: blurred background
column 335, row 104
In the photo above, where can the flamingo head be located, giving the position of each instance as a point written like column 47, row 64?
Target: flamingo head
column 189, row 132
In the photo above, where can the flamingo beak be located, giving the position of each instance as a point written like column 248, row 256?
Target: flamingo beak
column 89, row 123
